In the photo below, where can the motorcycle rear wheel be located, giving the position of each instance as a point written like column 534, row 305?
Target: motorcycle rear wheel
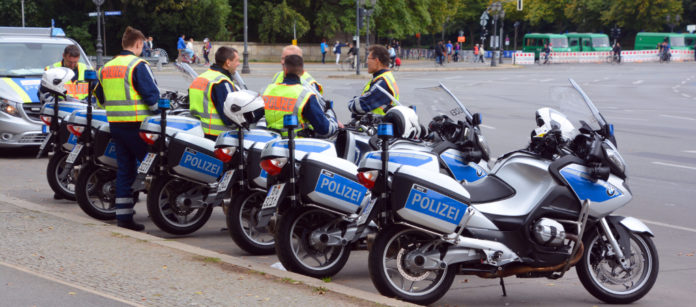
column 241, row 222
column 170, row 207
column 95, row 191
column 295, row 249
column 606, row 279
column 64, row 188
column 391, row 274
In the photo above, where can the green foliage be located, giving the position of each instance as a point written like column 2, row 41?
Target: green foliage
column 277, row 23
column 642, row 15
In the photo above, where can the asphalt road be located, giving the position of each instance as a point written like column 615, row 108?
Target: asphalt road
column 652, row 107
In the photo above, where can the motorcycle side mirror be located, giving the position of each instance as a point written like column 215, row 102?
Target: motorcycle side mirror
column 476, row 119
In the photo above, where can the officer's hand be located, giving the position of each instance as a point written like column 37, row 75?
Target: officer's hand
column 340, row 125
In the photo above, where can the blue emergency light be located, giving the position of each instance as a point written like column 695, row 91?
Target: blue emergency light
column 163, row 104
column 385, row 129
column 290, row 120
column 90, row 75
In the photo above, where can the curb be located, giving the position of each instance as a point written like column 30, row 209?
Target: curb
column 224, row 259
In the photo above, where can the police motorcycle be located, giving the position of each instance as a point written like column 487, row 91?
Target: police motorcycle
column 55, row 110
column 329, row 220
column 552, row 210
column 94, row 158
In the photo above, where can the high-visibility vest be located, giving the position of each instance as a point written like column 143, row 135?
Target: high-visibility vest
column 123, row 103
column 391, row 83
column 201, row 101
column 306, row 78
column 282, row 99
column 78, row 89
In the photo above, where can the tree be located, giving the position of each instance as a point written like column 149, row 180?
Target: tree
column 586, row 15
column 642, row 15
column 277, row 22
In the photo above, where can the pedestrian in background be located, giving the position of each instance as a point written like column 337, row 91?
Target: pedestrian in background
column 189, row 49
column 482, row 53
column 457, row 48
column 181, row 46
column 323, row 47
column 449, row 48
column 337, row 52
column 392, row 56
column 476, row 52
column 207, row 46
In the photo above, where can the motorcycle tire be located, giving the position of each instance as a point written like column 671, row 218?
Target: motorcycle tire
column 386, row 247
column 95, row 191
column 293, row 242
column 165, row 191
column 241, row 220
column 597, row 271
column 63, row 188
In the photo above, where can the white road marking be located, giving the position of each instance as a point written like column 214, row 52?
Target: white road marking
column 596, row 80
column 669, row 225
column 546, row 80
column 637, row 82
column 677, row 117
column 487, row 126
column 674, row 165
column 675, row 87
column 690, row 151
column 686, row 95
column 683, row 82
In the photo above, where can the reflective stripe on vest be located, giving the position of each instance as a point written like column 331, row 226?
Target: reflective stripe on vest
column 280, row 100
column 77, row 89
column 201, row 101
column 306, row 78
column 123, row 103
column 391, row 83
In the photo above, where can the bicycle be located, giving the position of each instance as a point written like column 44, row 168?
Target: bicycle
column 664, row 57
column 348, row 63
column 547, row 59
column 613, row 59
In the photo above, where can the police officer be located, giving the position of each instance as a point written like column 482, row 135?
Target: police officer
column 304, row 78
column 372, row 99
column 77, row 87
column 129, row 92
column 208, row 92
column 291, row 97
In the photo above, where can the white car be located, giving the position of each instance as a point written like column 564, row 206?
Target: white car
column 25, row 54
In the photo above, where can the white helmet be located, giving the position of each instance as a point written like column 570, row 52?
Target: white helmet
column 548, row 119
column 241, row 103
column 54, row 79
column 404, row 121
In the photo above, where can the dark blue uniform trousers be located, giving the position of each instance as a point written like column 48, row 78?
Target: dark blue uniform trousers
column 130, row 149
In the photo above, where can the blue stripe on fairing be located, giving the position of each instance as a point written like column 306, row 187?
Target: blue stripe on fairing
column 177, row 125
column 97, row 117
column 30, row 86
column 462, row 171
column 64, row 108
column 254, row 137
column 304, row 145
column 585, row 188
column 403, row 159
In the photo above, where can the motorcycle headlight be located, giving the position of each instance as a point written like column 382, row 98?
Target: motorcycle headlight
column 614, row 157
column 9, row 107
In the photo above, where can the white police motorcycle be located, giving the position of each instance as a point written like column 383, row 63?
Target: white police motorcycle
column 551, row 210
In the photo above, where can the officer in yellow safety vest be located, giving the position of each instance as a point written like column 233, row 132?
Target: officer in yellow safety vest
column 372, row 99
column 77, row 87
column 129, row 93
column 305, row 78
column 292, row 97
column 208, row 92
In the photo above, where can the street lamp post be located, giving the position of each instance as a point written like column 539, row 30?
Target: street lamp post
column 514, row 49
column 357, row 37
column 245, row 66
column 500, row 36
column 100, row 51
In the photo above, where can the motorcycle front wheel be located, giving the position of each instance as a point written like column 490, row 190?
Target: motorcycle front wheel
column 602, row 275
column 394, row 276
column 299, row 245
column 65, row 187
column 242, row 223
column 95, row 191
column 175, row 205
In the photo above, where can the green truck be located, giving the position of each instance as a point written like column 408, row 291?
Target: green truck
column 650, row 40
column 588, row 42
column 534, row 42
column 690, row 40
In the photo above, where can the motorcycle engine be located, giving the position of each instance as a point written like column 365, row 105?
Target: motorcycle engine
column 548, row 232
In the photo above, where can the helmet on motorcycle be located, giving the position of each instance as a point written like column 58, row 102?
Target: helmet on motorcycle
column 548, row 119
column 405, row 122
column 240, row 105
column 54, row 79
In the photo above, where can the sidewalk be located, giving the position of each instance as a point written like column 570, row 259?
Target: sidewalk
column 145, row 270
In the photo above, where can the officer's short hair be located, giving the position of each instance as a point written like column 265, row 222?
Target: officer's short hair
column 294, row 64
column 131, row 36
column 380, row 53
column 224, row 53
column 71, row 51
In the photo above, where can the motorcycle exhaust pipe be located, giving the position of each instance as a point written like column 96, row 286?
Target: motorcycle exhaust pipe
column 524, row 269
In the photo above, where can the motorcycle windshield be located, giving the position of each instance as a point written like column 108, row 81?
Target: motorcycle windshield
column 577, row 106
column 435, row 101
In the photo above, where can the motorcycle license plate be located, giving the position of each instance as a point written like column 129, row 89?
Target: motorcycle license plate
column 147, row 163
column 45, row 141
column 225, row 181
column 273, row 196
column 74, row 153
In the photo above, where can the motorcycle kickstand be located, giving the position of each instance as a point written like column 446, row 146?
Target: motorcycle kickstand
column 502, row 285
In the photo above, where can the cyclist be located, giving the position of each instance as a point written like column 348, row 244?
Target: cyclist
column 547, row 51
column 617, row 52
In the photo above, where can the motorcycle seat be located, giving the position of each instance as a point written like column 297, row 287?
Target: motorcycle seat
column 208, row 146
column 488, row 189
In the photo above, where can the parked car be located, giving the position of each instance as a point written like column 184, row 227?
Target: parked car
column 25, row 54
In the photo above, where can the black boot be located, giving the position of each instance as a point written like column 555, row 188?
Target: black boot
column 57, row 196
column 132, row 225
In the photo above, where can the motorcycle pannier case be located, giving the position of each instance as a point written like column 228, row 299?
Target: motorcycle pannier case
column 105, row 148
column 332, row 183
column 193, row 157
column 428, row 199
